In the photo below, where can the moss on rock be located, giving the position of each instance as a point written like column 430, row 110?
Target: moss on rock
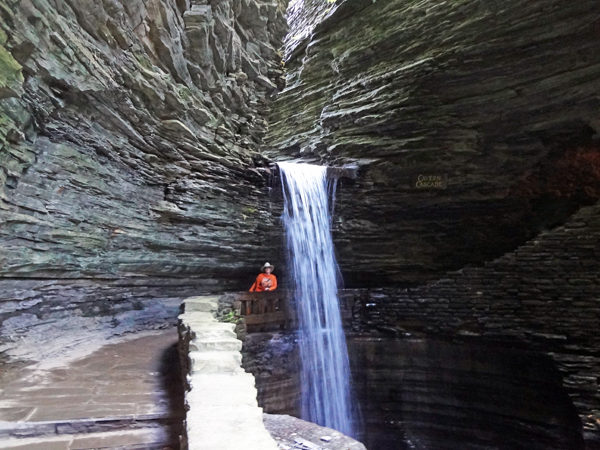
column 11, row 78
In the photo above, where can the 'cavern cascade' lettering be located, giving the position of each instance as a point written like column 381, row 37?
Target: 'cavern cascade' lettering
column 433, row 181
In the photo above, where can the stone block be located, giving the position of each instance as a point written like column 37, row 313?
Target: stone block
column 204, row 304
column 216, row 344
column 215, row 362
column 221, row 390
column 213, row 330
column 197, row 318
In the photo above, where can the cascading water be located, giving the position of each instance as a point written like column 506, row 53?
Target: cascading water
column 325, row 375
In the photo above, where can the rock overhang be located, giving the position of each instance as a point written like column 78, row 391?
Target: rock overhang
column 404, row 89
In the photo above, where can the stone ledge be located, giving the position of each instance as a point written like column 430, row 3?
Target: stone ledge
column 292, row 433
column 76, row 426
column 139, row 439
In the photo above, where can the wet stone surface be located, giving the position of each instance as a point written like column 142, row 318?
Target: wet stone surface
column 292, row 433
column 125, row 393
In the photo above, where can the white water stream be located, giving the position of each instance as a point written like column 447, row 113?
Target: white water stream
column 325, row 374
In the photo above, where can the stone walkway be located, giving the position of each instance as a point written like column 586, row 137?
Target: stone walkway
column 125, row 395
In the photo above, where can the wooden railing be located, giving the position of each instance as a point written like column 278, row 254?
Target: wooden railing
column 268, row 311
column 264, row 310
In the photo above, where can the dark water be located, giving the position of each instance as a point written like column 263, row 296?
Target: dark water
column 436, row 395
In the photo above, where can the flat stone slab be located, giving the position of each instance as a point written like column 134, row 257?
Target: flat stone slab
column 222, row 390
column 215, row 344
column 198, row 317
column 110, row 382
column 205, row 304
column 292, row 433
column 215, row 330
column 16, row 413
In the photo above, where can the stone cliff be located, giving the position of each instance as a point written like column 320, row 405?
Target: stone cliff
column 488, row 94
column 130, row 171
column 132, row 132
column 543, row 297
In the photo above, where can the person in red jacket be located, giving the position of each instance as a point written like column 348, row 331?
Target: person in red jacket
column 265, row 281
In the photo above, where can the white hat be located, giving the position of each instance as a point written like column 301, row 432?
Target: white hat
column 267, row 265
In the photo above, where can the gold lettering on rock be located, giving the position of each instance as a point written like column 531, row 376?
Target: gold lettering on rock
column 429, row 181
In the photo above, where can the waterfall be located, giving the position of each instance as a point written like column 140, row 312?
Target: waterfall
column 325, row 373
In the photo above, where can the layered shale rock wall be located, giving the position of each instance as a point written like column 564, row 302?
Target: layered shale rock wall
column 437, row 395
column 421, row 386
column 128, row 154
column 544, row 296
column 132, row 174
column 482, row 92
column 496, row 100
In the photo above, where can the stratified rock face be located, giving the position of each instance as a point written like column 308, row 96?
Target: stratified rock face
column 431, row 394
column 128, row 138
column 543, row 296
column 480, row 91
column 274, row 360
column 435, row 395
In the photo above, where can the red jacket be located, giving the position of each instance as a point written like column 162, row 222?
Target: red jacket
column 264, row 282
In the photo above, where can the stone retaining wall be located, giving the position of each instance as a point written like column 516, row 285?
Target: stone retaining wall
column 222, row 412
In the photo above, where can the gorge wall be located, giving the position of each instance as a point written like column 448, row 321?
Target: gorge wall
column 437, row 395
column 543, row 297
column 130, row 173
column 420, row 384
column 501, row 100
column 133, row 172
column 490, row 94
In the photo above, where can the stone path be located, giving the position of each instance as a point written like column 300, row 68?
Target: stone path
column 125, row 395
column 223, row 412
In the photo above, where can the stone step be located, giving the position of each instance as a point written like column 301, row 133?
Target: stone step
column 229, row 429
column 212, row 330
column 238, row 416
column 198, row 318
column 148, row 439
column 27, row 429
column 232, row 438
column 208, row 344
column 223, row 380
column 215, row 362
column 204, row 304
column 222, row 390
